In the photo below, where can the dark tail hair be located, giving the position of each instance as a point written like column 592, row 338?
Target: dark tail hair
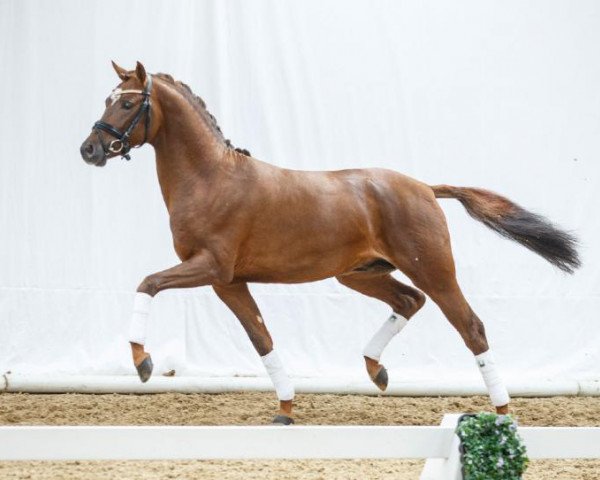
column 512, row 221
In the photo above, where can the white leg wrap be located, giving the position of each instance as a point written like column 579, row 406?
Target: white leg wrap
column 492, row 379
column 388, row 330
column 139, row 320
column 283, row 385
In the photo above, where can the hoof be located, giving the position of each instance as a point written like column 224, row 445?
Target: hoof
column 144, row 369
column 381, row 379
column 283, row 420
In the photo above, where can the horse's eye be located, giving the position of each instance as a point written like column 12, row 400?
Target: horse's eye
column 127, row 104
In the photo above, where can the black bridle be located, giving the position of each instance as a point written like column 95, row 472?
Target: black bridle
column 121, row 143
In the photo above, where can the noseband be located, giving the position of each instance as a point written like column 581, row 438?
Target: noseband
column 121, row 142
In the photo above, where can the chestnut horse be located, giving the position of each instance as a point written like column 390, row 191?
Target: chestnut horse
column 236, row 220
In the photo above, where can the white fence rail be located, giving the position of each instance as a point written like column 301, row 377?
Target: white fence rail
column 57, row 383
column 438, row 444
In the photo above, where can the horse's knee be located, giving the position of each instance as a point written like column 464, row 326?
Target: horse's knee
column 262, row 343
column 258, row 335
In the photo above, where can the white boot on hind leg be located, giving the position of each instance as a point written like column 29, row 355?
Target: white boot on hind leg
column 493, row 381
column 384, row 335
column 372, row 352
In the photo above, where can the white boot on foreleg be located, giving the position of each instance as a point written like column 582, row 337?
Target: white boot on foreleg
column 138, row 330
column 283, row 387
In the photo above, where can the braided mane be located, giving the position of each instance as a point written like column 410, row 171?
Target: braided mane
column 200, row 106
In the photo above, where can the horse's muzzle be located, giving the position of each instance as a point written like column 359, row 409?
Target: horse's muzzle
column 92, row 153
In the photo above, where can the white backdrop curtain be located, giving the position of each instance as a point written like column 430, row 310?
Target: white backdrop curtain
column 501, row 95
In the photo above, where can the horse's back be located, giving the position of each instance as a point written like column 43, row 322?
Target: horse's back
column 338, row 220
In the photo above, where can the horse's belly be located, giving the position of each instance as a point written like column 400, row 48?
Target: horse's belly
column 285, row 265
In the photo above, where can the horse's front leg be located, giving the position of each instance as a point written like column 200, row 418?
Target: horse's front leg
column 195, row 272
column 239, row 300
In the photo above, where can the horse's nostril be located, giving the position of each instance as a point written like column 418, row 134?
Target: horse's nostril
column 87, row 150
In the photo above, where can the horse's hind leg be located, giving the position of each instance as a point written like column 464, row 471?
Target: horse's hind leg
column 405, row 302
column 435, row 275
column 471, row 329
column 239, row 300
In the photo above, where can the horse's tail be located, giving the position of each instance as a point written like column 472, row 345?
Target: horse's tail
column 512, row 221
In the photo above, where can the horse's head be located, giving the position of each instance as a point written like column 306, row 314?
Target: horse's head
column 126, row 122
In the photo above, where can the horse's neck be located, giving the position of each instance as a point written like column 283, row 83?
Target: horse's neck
column 188, row 154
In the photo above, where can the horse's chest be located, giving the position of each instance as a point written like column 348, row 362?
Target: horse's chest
column 188, row 233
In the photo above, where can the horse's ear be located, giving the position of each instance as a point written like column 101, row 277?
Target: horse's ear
column 121, row 72
column 140, row 72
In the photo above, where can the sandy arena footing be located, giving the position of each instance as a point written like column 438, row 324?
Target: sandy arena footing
column 257, row 409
